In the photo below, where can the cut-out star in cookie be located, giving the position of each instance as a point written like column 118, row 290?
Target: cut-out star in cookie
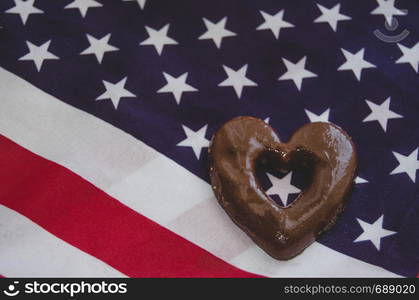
column 282, row 187
column 355, row 63
column 24, row 8
column 388, row 10
column 331, row 16
column 177, row 86
column 237, row 79
column 410, row 56
column 38, row 54
column 158, row 38
column 115, row 91
column 99, row 47
column 323, row 117
column 360, row 180
column 216, row 31
column 381, row 113
column 274, row 23
column 407, row 164
column 83, row 5
column 373, row 232
column 195, row 139
column 141, row 3
column 296, row 72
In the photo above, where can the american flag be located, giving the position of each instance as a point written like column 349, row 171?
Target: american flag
column 107, row 108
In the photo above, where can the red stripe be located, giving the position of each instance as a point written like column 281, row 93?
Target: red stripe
column 79, row 213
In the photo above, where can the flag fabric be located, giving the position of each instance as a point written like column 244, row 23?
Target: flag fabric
column 107, row 108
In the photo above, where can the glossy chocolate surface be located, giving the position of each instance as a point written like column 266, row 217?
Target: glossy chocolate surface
column 323, row 149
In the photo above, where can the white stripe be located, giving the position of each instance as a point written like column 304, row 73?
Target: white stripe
column 316, row 261
column 27, row 250
column 147, row 181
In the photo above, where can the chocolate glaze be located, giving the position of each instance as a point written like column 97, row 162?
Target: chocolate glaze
column 323, row 149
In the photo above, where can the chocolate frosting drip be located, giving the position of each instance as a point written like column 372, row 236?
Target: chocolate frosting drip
column 323, row 149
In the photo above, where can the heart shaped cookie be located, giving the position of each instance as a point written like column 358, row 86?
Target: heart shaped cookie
column 323, row 149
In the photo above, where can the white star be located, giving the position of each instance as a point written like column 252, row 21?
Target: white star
column 274, row 22
column 83, row 5
column 115, row 91
column 323, row 117
column 141, row 3
column 195, row 139
column 381, row 113
column 373, row 232
column 360, row 180
column 24, row 8
column 38, row 54
column 387, row 9
column 177, row 86
column 237, row 79
column 267, row 120
column 158, row 38
column 216, row 31
column 410, row 55
column 331, row 16
column 282, row 187
column 296, row 72
column 99, row 47
column 355, row 62
column 407, row 164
